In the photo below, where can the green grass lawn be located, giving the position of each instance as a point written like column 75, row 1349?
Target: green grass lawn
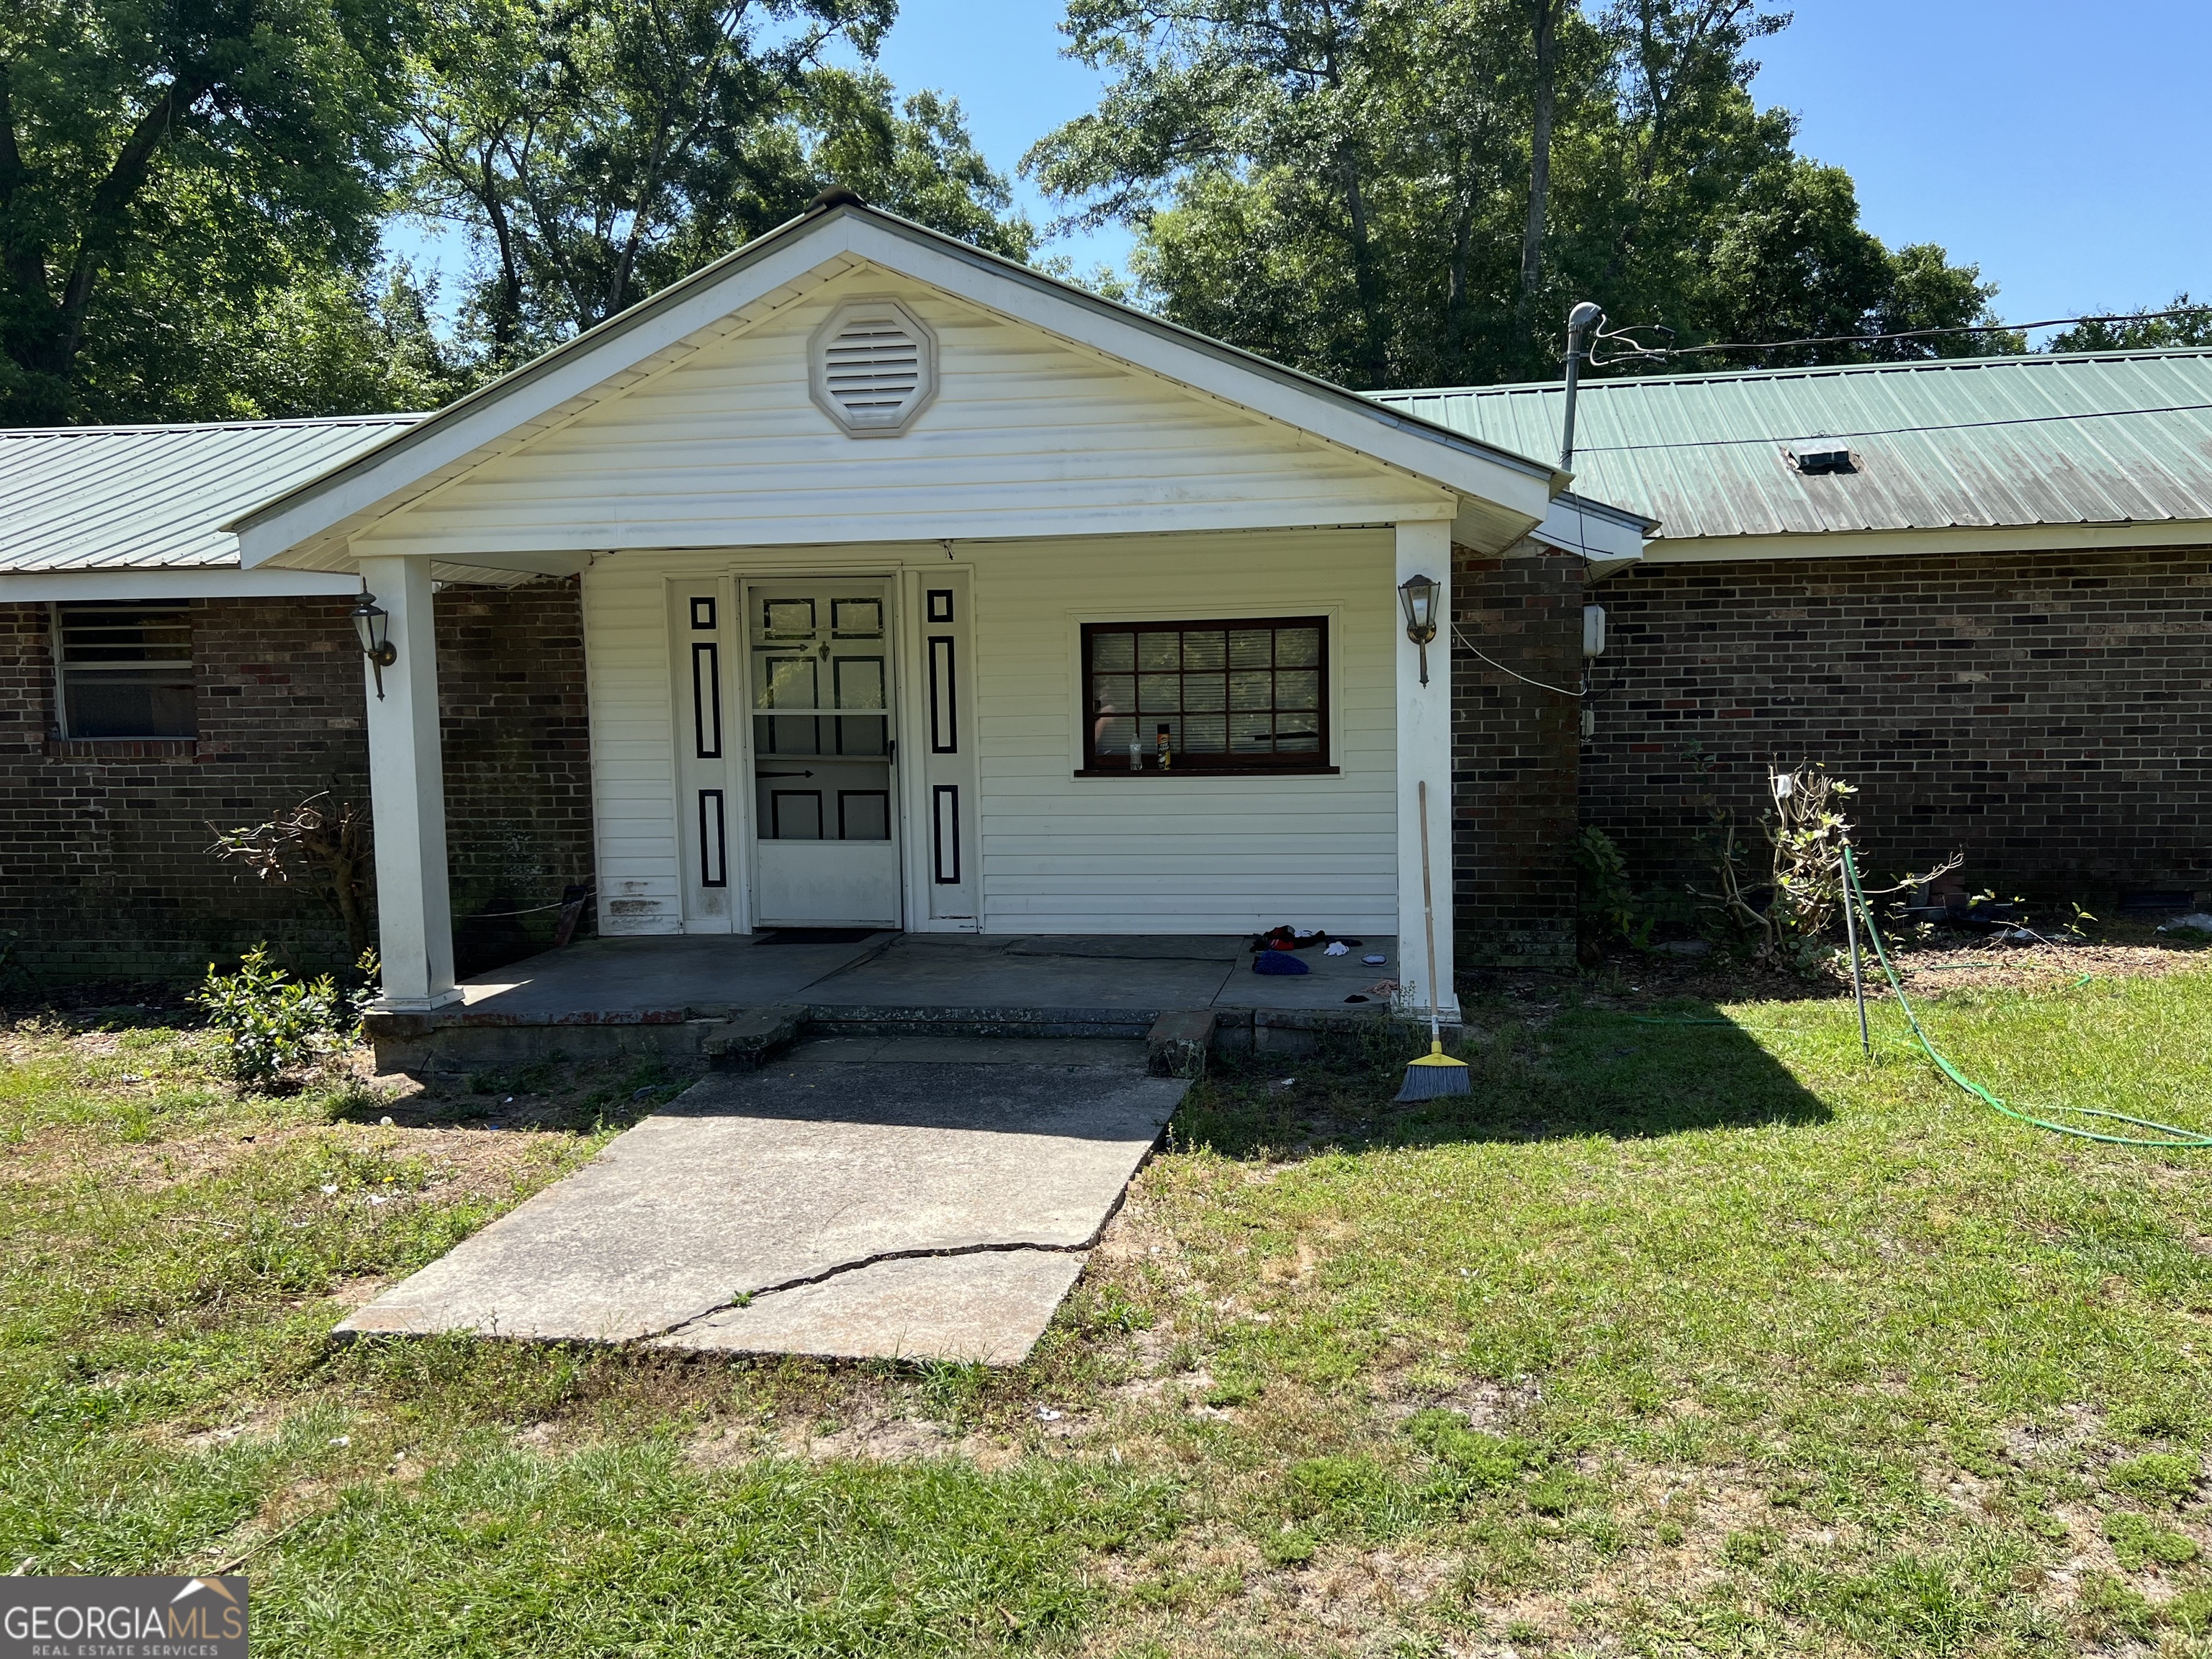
column 1671, row 1339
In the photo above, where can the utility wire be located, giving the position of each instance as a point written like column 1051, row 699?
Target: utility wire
column 2202, row 311
column 1460, row 634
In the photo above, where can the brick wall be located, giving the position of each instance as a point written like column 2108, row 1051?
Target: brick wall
column 2043, row 713
column 1514, row 755
column 104, row 871
column 517, row 733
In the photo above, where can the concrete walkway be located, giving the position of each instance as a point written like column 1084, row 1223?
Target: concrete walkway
column 912, row 1197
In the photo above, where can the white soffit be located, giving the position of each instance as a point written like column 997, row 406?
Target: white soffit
column 1504, row 494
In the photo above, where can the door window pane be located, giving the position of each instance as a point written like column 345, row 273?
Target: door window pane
column 862, row 734
column 785, row 682
column 856, row 619
column 787, row 619
column 795, row 815
column 858, row 681
column 864, row 815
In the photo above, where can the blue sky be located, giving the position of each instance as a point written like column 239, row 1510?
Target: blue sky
column 2057, row 144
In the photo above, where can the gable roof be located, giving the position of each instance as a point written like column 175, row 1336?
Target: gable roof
column 1508, row 491
column 155, row 497
column 2107, row 439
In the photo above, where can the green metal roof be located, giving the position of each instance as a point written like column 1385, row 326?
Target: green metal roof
column 2106, row 437
column 155, row 497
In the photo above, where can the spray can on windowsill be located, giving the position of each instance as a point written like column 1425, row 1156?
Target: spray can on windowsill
column 1167, row 750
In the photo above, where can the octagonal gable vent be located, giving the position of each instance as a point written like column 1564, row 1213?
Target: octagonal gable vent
column 872, row 368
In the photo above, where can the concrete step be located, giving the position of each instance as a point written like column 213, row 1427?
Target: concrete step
column 741, row 1039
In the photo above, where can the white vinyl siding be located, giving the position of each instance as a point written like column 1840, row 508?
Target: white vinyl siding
column 1059, row 853
column 633, row 750
column 1027, row 435
column 1183, row 854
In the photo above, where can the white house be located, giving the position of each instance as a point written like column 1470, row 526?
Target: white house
column 920, row 590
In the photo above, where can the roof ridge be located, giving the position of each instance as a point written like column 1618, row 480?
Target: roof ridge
column 1920, row 365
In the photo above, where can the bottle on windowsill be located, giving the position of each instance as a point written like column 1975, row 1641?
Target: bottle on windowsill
column 1136, row 753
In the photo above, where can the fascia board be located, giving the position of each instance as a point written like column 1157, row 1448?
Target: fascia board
column 541, row 551
column 1913, row 544
column 1520, row 487
column 203, row 582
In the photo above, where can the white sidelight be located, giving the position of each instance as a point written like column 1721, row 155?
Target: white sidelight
column 407, row 795
column 1424, row 751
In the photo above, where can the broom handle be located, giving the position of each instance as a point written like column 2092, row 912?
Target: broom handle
column 1429, row 916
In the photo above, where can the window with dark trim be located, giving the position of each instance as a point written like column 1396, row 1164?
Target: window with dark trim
column 1247, row 695
column 124, row 669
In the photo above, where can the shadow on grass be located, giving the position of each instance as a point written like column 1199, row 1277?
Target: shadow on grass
column 1587, row 1071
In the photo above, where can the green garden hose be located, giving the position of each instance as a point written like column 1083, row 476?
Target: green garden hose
column 2162, row 1135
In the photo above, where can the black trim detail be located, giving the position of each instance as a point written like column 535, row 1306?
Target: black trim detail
column 940, row 604
column 707, row 701
column 944, row 697
column 702, row 613
column 945, row 832
column 713, row 841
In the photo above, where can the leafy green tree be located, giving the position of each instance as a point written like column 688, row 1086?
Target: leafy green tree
column 325, row 341
column 596, row 150
column 222, row 146
column 1411, row 192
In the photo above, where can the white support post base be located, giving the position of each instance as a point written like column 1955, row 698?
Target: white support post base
column 407, row 798
column 1424, row 751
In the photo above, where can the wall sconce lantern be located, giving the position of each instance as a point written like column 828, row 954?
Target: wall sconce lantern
column 1418, row 596
column 372, row 626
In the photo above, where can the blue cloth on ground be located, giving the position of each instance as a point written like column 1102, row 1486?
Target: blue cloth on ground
column 1278, row 961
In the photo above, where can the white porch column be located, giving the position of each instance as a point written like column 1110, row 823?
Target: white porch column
column 1424, row 751
column 407, row 794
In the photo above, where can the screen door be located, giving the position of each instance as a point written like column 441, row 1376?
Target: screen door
column 825, row 805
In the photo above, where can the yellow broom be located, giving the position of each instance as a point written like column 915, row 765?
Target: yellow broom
column 1436, row 1072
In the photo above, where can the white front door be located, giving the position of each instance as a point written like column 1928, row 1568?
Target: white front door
column 825, row 818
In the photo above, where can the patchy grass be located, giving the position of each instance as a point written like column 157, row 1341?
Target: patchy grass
column 1673, row 1338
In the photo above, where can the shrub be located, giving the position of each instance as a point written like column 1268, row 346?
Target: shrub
column 275, row 1023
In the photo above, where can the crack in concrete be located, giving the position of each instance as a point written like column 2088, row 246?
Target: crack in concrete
column 840, row 1269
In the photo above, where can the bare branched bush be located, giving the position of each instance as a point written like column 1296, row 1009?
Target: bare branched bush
column 1806, row 833
column 322, row 844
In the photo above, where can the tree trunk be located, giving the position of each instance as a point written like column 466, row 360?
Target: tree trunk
column 1540, row 152
column 1374, row 358
column 50, row 338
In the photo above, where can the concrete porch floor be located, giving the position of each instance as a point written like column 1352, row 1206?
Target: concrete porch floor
column 680, row 995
